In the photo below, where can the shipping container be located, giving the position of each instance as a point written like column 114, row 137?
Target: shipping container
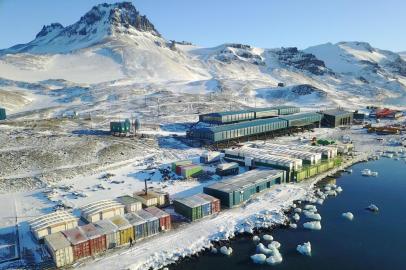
column 80, row 243
column 125, row 229
column 210, row 157
column 215, row 202
column 152, row 222
column 60, row 249
column 180, row 162
column 230, row 168
column 147, row 200
column 99, row 210
column 130, row 203
column 111, row 232
column 188, row 171
column 97, row 241
column 189, row 208
column 120, row 126
column 238, row 189
column 51, row 223
column 164, row 217
column 139, row 224
column 162, row 197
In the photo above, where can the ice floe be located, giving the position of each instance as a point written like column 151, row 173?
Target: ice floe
column 293, row 225
column 348, row 215
column 274, row 244
column 226, row 250
column 312, row 215
column 275, row 258
column 373, row 208
column 258, row 258
column 256, row 238
column 312, row 225
column 267, row 237
column 305, row 249
column 296, row 217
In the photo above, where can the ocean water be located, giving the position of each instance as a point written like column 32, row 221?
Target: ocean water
column 370, row 241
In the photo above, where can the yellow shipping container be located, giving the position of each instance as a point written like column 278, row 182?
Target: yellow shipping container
column 125, row 229
column 60, row 249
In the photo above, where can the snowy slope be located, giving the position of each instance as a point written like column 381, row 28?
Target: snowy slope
column 113, row 51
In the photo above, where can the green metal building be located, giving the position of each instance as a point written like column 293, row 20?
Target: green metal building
column 236, row 190
column 193, row 207
column 336, row 118
column 302, row 119
column 3, row 115
column 120, row 126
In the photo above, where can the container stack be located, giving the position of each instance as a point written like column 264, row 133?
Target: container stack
column 189, row 171
column 164, row 217
column 180, row 163
column 111, row 232
column 139, row 226
column 162, row 197
column 147, row 199
column 125, row 229
column 97, row 240
column 51, row 223
column 152, row 222
column 79, row 242
column 60, row 249
column 104, row 209
column 194, row 207
column 131, row 204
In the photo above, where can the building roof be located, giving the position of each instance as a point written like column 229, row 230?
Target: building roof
column 224, row 113
column 52, row 219
column 244, row 124
column 105, row 226
column 300, row 116
column 192, row 201
column 90, row 231
column 246, row 179
column 146, row 215
column 57, row 241
column 120, row 222
column 207, row 197
column 155, row 211
column 100, row 206
column 75, row 236
column 336, row 112
column 127, row 199
column 134, row 219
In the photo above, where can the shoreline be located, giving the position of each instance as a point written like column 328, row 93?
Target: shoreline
column 212, row 231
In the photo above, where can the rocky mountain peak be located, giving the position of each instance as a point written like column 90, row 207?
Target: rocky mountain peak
column 48, row 29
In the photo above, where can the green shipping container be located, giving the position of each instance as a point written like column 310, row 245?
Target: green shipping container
column 3, row 115
column 180, row 163
column 120, row 126
column 188, row 171
column 189, row 208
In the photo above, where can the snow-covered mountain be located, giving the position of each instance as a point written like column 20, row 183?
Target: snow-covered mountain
column 113, row 50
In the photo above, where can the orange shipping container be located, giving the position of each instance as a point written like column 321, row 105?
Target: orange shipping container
column 97, row 241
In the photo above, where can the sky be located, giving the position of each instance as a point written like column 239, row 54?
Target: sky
column 261, row 23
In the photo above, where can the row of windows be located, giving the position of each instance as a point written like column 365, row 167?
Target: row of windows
column 238, row 117
column 231, row 134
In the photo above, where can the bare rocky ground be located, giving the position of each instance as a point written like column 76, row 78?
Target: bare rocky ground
column 33, row 153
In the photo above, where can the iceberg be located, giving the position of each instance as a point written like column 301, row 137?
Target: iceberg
column 262, row 249
column 305, row 249
column 373, row 208
column 267, row 237
column 310, row 208
column 226, row 251
column 296, row 217
column 348, row 215
column 311, row 215
column 274, row 244
column 256, row 238
column 312, row 225
column 298, row 210
column 293, row 225
column 258, row 258
column 275, row 258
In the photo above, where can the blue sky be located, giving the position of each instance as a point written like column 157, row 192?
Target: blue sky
column 262, row 23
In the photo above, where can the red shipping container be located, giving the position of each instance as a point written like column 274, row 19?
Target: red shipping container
column 178, row 169
column 164, row 217
column 80, row 243
column 97, row 241
column 215, row 203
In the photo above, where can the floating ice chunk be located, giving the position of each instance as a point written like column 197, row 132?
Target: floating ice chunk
column 296, row 217
column 298, row 210
column 373, row 208
column 256, row 238
column 331, row 193
column 262, row 249
column 249, row 230
column 310, row 208
column 339, row 189
column 305, row 249
column 275, row 258
column 312, row 225
column 267, row 237
column 274, row 244
column 226, row 251
column 214, row 250
column 320, row 201
column 327, row 188
column 311, row 215
column 258, row 258
column 293, row 225
column 348, row 215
